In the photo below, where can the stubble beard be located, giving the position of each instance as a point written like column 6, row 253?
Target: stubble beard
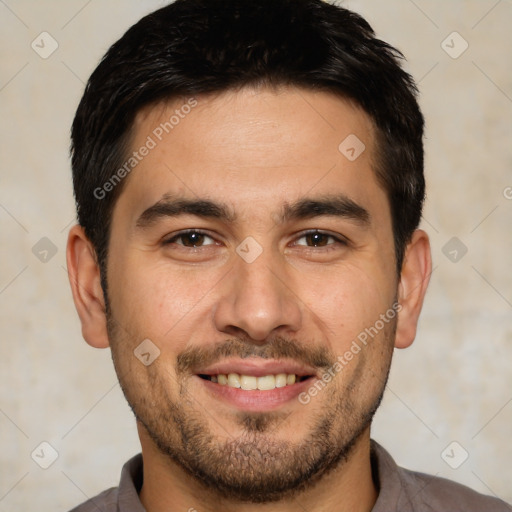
column 253, row 467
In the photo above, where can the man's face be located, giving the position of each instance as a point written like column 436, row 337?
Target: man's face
column 247, row 243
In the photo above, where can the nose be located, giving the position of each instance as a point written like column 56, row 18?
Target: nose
column 257, row 301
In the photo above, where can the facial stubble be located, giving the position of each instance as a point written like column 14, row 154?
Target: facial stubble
column 256, row 466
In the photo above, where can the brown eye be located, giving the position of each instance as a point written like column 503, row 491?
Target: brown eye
column 316, row 239
column 191, row 239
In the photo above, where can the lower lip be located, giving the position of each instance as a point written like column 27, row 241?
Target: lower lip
column 256, row 400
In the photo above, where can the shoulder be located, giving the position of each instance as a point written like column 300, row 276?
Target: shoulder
column 430, row 493
column 410, row 491
column 105, row 502
column 122, row 498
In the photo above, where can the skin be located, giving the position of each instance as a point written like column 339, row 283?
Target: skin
column 302, row 301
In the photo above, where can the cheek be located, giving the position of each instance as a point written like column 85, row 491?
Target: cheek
column 157, row 301
column 346, row 302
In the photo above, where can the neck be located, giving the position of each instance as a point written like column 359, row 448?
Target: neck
column 347, row 488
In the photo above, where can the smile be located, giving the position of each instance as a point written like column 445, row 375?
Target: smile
column 251, row 382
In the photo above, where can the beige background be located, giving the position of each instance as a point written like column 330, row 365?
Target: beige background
column 453, row 384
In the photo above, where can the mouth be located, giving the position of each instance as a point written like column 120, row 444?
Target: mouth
column 253, row 383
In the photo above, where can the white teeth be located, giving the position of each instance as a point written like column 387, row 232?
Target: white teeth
column 234, row 380
column 267, row 382
column 249, row 382
column 280, row 380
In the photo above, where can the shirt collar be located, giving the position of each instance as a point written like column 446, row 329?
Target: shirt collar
column 387, row 479
column 385, row 471
column 130, row 486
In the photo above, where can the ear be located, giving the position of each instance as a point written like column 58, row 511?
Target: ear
column 414, row 279
column 84, row 277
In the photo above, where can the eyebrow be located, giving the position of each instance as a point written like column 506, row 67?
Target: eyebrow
column 306, row 208
column 337, row 205
column 173, row 207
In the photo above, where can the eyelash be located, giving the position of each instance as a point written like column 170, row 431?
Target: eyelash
column 185, row 233
column 337, row 239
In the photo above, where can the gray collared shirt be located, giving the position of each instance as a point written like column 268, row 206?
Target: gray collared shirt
column 400, row 490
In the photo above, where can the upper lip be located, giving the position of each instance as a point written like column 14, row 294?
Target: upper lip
column 258, row 367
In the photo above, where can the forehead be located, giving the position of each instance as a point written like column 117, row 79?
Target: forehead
column 253, row 148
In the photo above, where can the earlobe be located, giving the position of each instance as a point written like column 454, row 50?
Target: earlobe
column 414, row 279
column 84, row 278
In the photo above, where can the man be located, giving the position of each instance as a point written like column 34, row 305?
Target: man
column 249, row 183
